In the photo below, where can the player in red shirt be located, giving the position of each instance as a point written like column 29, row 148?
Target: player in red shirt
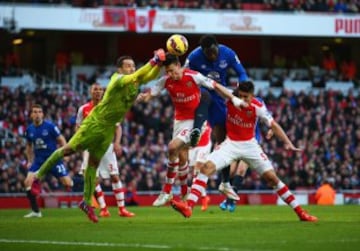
column 108, row 167
column 183, row 86
column 241, row 144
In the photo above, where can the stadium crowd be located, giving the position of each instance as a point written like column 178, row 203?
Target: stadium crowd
column 327, row 125
column 343, row 6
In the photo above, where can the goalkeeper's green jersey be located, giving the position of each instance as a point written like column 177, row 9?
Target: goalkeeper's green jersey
column 97, row 130
column 118, row 98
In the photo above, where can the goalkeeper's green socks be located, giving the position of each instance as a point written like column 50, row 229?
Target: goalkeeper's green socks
column 50, row 162
column 89, row 184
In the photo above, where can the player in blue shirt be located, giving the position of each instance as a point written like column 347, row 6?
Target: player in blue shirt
column 42, row 139
column 214, row 60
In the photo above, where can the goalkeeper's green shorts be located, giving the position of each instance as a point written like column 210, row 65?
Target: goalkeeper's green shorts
column 94, row 137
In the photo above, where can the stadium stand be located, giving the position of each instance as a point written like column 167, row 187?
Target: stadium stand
column 332, row 147
column 248, row 5
column 317, row 106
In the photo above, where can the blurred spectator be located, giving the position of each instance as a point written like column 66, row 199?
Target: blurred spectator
column 326, row 124
column 12, row 64
column 348, row 69
column 131, row 198
column 325, row 194
column 329, row 62
column 320, row 6
column 353, row 6
column 340, row 6
column 258, row 5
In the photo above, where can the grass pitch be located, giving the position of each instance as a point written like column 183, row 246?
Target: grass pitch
column 263, row 228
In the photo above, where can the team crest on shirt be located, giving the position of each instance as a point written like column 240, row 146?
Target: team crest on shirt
column 44, row 133
column 249, row 113
column 189, row 84
column 223, row 64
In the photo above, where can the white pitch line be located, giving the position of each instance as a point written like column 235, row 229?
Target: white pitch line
column 164, row 247
column 108, row 244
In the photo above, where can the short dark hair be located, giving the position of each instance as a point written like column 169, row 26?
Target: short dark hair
column 120, row 60
column 171, row 59
column 246, row 86
column 207, row 41
column 38, row 106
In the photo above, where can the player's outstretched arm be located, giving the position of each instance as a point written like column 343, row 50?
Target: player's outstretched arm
column 61, row 140
column 139, row 75
column 236, row 65
column 225, row 93
column 154, row 91
column 279, row 132
column 151, row 75
column 144, row 97
column 29, row 153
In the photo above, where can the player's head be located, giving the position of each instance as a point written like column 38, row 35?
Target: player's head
column 37, row 114
column 245, row 91
column 209, row 46
column 173, row 66
column 96, row 92
column 126, row 65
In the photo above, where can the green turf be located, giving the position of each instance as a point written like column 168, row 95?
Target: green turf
column 248, row 228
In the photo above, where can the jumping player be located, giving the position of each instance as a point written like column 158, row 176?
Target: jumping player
column 241, row 144
column 97, row 131
column 183, row 86
column 108, row 167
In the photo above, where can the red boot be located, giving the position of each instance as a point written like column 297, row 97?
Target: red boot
column 125, row 213
column 182, row 207
column 305, row 216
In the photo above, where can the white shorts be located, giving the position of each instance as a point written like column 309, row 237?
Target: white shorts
column 248, row 151
column 182, row 130
column 199, row 154
column 108, row 164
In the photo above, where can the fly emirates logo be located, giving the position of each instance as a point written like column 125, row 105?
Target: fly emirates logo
column 238, row 121
column 182, row 98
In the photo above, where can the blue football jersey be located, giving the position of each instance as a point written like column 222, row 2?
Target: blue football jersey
column 257, row 127
column 44, row 139
column 218, row 69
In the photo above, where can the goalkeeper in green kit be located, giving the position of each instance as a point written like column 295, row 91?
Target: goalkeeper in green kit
column 97, row 130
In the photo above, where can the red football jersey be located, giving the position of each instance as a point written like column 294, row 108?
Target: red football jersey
column 185, row 92
column 205, row 136
column 241, row 122
column 84, row 111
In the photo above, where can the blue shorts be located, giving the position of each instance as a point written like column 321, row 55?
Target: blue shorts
column 258, row 133
column 217, row 112
column 58, row 170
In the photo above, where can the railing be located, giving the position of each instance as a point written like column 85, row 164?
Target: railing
column 248, row 197
column 8, row 136
column 58, row 81
column 75, row 80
